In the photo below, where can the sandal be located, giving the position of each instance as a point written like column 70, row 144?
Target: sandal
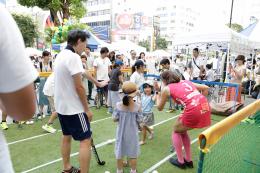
column 72, row 170
column 125, row 164
column 141, row 143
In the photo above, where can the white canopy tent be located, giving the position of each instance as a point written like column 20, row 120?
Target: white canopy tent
column 33, row 51
column 216, row 38
column 125, row 46
column 253, row 33
column 160, row 53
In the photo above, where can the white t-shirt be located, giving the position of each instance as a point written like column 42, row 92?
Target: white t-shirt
column 137, row 78
column 66, row 99
column 181, row 65
column 16, row 71
column 210, row 75
column 102, row 65
column 132, row 61
column 90, row 61
column 195, row 67
column 48, row 88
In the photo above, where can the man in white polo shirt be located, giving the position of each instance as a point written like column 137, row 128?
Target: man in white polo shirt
column 71, row 102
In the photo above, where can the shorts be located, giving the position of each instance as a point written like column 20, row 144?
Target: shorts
column 51, row 103
column 76, row 125
column 104, row 89
column 148, row 119
column 113, row 98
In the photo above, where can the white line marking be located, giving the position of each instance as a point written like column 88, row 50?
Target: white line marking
column 158, row 164
column 97, row 146
column 38, row 136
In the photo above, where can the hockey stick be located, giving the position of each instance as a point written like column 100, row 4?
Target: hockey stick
column 96, row 154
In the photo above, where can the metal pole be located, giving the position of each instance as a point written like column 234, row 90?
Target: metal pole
column 230, row 20
column 226, row 61
column 252, row 72
column 230, row 23
column 202, row 155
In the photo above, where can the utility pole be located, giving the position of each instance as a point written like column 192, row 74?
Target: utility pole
column 226, row 58
column 231, row 12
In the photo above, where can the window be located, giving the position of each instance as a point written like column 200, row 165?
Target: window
column 163, row 22
column 173, row 14
column 163, row 15
column 163, row 28
column 100, row 23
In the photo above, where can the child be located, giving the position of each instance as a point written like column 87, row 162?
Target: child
column 48, row 91
column 127, row 114
column 148, row 101
column 116, row 78
column 209, row 73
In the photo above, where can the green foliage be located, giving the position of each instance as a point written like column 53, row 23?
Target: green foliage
column 145, row 43
column 236, row 27
column 27, row 27
column 59, row 34
column 161, row 43
column 77, row 10
column 67, row 9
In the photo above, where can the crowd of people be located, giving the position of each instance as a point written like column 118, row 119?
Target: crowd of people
column 67, row 93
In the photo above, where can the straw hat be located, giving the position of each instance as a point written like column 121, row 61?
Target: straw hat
column 129, row 88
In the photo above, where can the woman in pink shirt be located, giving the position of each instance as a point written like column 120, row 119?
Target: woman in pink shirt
column 196, row 113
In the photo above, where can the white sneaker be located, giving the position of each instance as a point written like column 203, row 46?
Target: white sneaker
column 29, row 122
column 48, row 128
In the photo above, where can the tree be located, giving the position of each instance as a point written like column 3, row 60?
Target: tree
column 64, row 8
column 236, row 27
column 145, row 43
column 161, row 43
column 27, row 27
column 57, row 35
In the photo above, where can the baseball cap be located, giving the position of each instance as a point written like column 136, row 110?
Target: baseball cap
column 119, row 62
column 148, row 82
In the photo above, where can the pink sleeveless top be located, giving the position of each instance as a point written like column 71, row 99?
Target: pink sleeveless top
column 196, row 108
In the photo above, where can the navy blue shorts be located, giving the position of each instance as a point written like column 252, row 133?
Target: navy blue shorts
column 102, row 89
column 76, row 125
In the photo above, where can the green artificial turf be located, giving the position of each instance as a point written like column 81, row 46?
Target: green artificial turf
column 41, row 150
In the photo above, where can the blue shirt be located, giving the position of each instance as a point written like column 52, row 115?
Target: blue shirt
column 147, row 103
